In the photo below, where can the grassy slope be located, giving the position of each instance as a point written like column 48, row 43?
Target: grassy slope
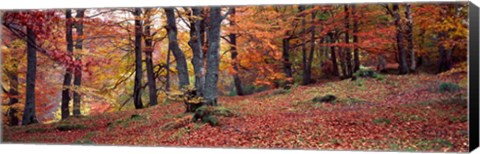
column 398, row 113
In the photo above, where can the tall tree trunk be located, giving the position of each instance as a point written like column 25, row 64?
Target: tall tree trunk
column 233, row 41
column 77, row 82
column 13, row 93
column 287, row 65
column 67, row 81
column 356, row 56
column 312, row 49
column 343, row 65
column 409, row 31
column 333, row 56
column 348, row 54
column 305, row 77
column 177, row 52
column 213, row 39
column 195, row 43
column 152, row 87
column 403, row 67
column 29, row 116
column 444, row 63
column 137, row 99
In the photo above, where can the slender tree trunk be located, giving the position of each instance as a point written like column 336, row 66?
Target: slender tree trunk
column 29, row 116
column 233, row 41
column 195, row 43
column 67, row 81
column 333, row 56
column 137, row 99
column 445, row 53
column 343, row 65
column 409, row 31
column 152, row 87
column 356, row 56
column 177, row 52
column 287, row 65
column 77, row 82
column 305, row 77
column 312, row 50
column 213, row 34
column 403, row 67
column 348, row 54
column 13, row 93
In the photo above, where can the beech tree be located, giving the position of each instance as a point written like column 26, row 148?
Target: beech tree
column 77, row 81
column 138, row 59
column 67, row 81
column 174, row 47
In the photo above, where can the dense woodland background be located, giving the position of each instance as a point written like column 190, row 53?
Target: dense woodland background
column 75, row 62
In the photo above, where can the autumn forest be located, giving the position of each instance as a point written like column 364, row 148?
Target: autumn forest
column 324, row 76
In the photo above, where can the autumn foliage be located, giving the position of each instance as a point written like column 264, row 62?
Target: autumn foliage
column 241, row 76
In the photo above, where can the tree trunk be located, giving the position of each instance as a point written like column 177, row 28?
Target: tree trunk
column 13, row 93
column 409, row 31
column 195, row 43
column 137, row 99
column 67, row 81
column 152, row 87
column 167, row 67
column 356, row 55
column 343, row 66
column 233, row 41
column 77, row 82
column 403, row 67
column 348, row 54
column 213, row 39
column 177, row 52
column 305, row 76
column 287, row 65
column 29, row 116
column 444, row 63
column 312, row 50
column 333, row 56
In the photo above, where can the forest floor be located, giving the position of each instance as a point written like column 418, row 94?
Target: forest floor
column 408, row 112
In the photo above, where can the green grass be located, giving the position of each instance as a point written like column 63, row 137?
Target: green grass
column 381, row 121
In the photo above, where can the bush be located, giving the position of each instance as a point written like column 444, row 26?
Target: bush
column 364, row 72
column 326, row 98
column 448, row 87
column 67, row 127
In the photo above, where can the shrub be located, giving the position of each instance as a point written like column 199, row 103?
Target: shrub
column 326, row 98
column 448, row 87
column 365, row 72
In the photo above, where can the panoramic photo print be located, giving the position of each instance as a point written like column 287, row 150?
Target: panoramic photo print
column 370, row 77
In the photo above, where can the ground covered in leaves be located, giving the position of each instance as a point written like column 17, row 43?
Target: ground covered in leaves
column 418, row 112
